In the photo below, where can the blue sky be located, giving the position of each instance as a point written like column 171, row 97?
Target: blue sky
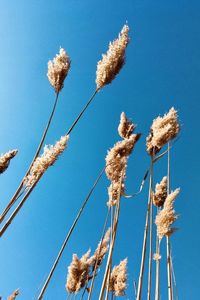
column 162, row 70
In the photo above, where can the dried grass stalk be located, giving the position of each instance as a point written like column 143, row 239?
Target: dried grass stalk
column 166, row 217
column 14, row 295
column 112, row 62
column 58, row 69
column 47, row 159
column 5, row 160
column 118, row 279
column 163, row 130
column 160, row 194
column 78, row 273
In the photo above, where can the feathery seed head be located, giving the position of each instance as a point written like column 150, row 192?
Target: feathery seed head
column 156, row 256
column 166, row 217
column 14, row 295
column 126, row 127
column 118, row 279
column 58, row 69
column 161, row 193
column 5, row 160
column 78, row 273
column 163, row 130
column 101, row 251
column 47, row 159
column 111, row 63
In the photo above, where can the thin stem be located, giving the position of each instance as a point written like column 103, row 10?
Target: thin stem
column 109, row 272
column 68, row 236
column 17, row 209
column 157, row 289
column 140, row 280
column 15, row 196
column 116, row 219
column 95, row 266
column 30, row 190
column 169, row 277
column 150, row 234
column 174, row 278
column 135, row 288
column 82, row 112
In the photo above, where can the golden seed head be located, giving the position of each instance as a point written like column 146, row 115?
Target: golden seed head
column 126, row 127
column 111, row 63
column 47, row 159
column 14, row 295
column 58, row 69
column 160, row 193
column 5, row 160
column 118, row 279
column 78, row 273
column 166, row 217
column 163, row 130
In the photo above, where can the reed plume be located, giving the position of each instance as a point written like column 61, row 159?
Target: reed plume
column 126, row 127
column 118, row 279
column 117, row 157
column 160, row 193
column 163, row 130
column 99, row 254
column 14, row 295
column 47, row 159
column 112, row 62
column 166, row 217
column 5, row 160
column 78, row 273
column 58, row 69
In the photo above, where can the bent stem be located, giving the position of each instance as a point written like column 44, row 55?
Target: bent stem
column 140, row 280
column 17, row 193
column 31, row 189
column 68, row 236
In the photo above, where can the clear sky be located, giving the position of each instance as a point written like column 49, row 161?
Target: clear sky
column 162, row 70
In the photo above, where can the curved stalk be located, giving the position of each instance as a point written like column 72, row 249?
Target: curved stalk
column 17, row 193
column 157, row 289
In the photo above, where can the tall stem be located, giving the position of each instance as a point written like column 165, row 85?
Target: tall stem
column 114, row 233
column 68, row 236
column 157, row 289
column 140, row 280
column 95, row 267
column 15, row 196
column 169, row 277
column 30, row 190
column 150, row 233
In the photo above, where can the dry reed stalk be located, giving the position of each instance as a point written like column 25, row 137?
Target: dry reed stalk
column 157, row 258
column 98, row 252
column 144, row 247
column 116, row 219
column 169, row 273
column 68, row 236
